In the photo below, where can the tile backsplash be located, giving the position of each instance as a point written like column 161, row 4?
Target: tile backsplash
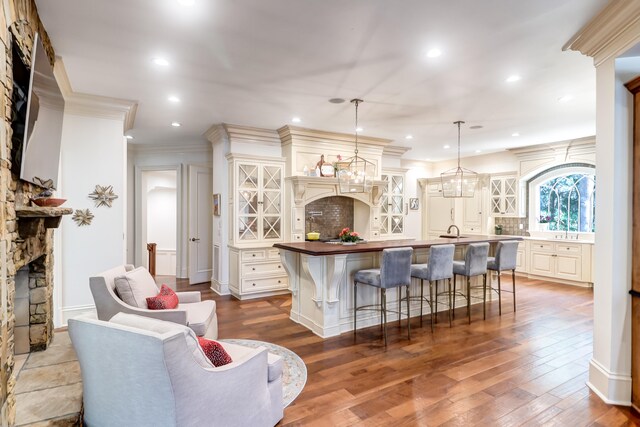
column 511, row 226
column 329, row 216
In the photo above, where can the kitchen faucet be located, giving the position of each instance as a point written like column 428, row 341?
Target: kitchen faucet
column 457, row 230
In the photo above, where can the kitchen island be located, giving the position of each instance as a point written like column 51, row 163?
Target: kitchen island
column 321, row 279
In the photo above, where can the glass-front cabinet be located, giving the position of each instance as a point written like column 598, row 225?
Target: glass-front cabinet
column 504, row 195
column 392, row 204
column 258, row 204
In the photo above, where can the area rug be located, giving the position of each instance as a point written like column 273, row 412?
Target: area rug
column 294, row 372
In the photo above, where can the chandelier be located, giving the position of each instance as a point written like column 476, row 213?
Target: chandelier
column 356, row 174
column 458, row 182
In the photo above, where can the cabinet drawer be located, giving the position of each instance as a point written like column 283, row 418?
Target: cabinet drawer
column 253, row 255
column 539, row 246
column 273, row 253
column 568, row 248
column 298, row 238
column 298, row 220
column 261, row 268
column 268, row 284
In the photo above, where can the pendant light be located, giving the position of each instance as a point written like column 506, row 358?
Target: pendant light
column 357, row 174
column 458, row 182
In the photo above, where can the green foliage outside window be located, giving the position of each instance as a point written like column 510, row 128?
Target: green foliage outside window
column 567, row 203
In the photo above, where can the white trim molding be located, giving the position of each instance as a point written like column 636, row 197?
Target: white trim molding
column 612, row 388
column 77, row 310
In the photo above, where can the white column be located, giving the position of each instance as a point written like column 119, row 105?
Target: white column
column 610, row 367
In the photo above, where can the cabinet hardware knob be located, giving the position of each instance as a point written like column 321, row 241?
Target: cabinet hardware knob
column 253, row 284
column 254, row 269
column 253, row 255
column 279, row 281
column 298, row 219
column 279, row 266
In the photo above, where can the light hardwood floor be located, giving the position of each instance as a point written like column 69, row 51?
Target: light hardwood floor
column 527, row 368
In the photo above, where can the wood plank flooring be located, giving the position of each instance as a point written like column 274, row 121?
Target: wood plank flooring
column 527, row 368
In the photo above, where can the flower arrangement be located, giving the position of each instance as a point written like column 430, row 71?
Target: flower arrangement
column 544, row 219
column 347, row 235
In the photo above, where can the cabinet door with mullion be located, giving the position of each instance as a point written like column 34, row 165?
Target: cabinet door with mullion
column 392, row 205
column 271, row 202
column 247, row 194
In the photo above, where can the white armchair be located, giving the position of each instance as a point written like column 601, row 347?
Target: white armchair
column 191, row 311
column 149, row 375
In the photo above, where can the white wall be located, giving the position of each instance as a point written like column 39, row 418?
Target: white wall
column 176, row 156
column 416, row 170
column 92, row 153
column 502, row 161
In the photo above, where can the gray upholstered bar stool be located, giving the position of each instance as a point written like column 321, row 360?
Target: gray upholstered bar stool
column 505, row 259
column 394, row 272
column 474, row 264
column 439, row 266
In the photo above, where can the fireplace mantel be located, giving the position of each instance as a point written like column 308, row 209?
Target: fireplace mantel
column 29, row 218
column 309, row 188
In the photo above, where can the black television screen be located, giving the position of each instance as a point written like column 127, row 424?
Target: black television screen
column 38, row 112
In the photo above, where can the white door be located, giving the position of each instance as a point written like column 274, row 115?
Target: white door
column 200, row 224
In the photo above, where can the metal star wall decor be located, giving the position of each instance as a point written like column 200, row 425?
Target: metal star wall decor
column 103, row 196
column 82, row 217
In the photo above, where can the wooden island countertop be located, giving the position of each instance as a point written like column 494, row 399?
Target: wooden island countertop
column 323, row 248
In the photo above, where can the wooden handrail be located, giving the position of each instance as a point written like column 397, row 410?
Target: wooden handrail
column 151, row 247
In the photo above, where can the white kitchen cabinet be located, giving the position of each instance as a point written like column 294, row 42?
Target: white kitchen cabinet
column 560, row 260
column 256, row 223
column 473, row 213
column 440, row 214
column 391, row 217
column 503, row 190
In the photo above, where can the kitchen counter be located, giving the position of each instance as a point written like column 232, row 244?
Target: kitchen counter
column 324, row 248
column 320, row 277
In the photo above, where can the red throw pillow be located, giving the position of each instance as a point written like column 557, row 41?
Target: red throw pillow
column 166, row 299
column 215, row 352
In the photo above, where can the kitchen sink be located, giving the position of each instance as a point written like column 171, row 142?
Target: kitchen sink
column 451, row 236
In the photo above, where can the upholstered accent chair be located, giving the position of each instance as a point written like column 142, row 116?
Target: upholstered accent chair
column 138, row 371
column 191, row 311
column 439, row 266
column 394, row 272
column 505, row 259
column 474, row 264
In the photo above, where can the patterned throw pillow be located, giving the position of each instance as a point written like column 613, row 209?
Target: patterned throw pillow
column 215, row 352
column 166, row 299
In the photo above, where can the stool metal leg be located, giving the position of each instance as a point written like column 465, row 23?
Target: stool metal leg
column 450, row 308
column 408, row 313
column 421, row 298
column 431, row 301
column 484, row 298
column 499, row 295
column 513, row 277
column 469, row 298
column 355, row 304
column 452, row 299
column 384, row 313
column 399, row 305
column 382, row 307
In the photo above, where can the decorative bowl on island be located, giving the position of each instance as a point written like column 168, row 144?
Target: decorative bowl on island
column 48, row 202
column 313, row 236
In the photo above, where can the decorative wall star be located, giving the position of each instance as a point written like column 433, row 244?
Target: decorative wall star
column 103, row 196
column 82, row 217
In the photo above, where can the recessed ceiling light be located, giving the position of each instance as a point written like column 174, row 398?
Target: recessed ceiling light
column 336, row 100
column 408, row 137
column 565, row 98
column 129, row 137
column 161, row 62
column 359, row 129
column 176, row 124
column 446, row 146
column 515, row 134
column 476, row 127
column 173, row 99
column 296, row 120
column 513, row 78
column 427, row 159
column 187, row 2
column 478, row 151
column 434, row 53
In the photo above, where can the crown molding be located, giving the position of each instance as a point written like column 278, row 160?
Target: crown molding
column 83, row 104
column 395, row 150
column 575, row 146
column 287, row 133
column 168, row 148
column 612, row 31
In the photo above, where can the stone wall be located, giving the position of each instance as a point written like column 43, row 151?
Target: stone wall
column 19, row 20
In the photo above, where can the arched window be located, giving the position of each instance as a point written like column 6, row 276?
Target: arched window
column 563, row 199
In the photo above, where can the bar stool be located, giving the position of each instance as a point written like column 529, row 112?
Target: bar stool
column 394, row 272
column 438, row 267
column 505, row 259
column 474, row 264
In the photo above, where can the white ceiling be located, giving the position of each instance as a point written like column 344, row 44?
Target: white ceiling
column 260, row 63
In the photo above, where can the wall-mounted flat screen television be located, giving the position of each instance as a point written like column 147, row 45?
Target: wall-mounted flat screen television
column 37, row 115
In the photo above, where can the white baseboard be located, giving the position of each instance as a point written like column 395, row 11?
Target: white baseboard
column 613, row 389
column 220, row 288
column 75, row 311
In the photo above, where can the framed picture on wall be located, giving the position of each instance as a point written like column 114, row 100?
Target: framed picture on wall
column 414, row 204
column 216, row 204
